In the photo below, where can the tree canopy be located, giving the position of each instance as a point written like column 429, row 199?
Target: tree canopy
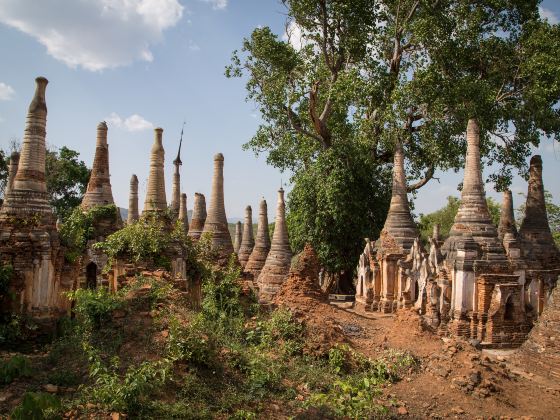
column 67, row 178
column 371, row 74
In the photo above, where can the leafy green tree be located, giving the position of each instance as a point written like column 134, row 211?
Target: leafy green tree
column 553, row 213
column 67, row 179
column 446, row 216
column 371, row 74
column 336, row 203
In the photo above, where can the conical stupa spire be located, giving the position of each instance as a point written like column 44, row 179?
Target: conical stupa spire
column 12, row 171
column 29, row 190
column 261, row 249
column 399, row 224
column 155, row 195
column 248, row 241
column 277, row 265
column 238, row 237
column 216, row 221
column 198, row 217
column 534, row 233
column 133, row 200
column 183, row 215
column 473, row 217
column 99, row 191
column 507, row 219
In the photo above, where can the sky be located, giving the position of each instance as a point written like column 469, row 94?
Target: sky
column 141, row 64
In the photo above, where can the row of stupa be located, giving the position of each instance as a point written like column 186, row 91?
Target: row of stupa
column 482, row 282
column 265, row 263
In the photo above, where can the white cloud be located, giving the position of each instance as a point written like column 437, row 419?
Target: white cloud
column 6, row 92
column 133, row 123
column 548, row 15
column 294, row 35
column 217, row 4
column 193, row 46
column 94, row 34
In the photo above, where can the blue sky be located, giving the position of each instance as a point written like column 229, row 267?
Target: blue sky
column 140, row 64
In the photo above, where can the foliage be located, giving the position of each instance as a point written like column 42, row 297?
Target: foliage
column 14, row 368
column 446, row 216
column 149, row 238
column 553, row 213
column 339, row 200
column 94, row 306
column 6, row 273
column 79, row 227
column 67, row 179
column 364, row 76
column 4, row 164
column 37, row 406
column 15, row 328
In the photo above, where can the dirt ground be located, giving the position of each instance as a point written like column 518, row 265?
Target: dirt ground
column 455, row 380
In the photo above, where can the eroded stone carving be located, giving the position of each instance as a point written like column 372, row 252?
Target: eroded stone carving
column 261, row 249
column 198, row 216
column 247, row 242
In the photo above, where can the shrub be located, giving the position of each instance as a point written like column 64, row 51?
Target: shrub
column 14, row 368
column 95, row 306
column 37, row 406
column 79, row 228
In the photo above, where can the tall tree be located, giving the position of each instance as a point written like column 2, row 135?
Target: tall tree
column 412, row 71
column 67, row 179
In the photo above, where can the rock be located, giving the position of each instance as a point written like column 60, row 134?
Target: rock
column 441, row 371
column 118, row 313
column 475, row 343
column 500, row 358
column 53, row 389
column 459, row 381
column 475, row 377
column 457, row 410
column 5, row 396
column 402, row 411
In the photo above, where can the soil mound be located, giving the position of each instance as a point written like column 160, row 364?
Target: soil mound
column 302, row 285
column 302, row 295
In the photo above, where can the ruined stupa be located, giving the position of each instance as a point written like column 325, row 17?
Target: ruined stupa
column 399, row 229
column 176, row 192
column 99, row 192
column 29, row 240
column 12, row 171
column 216, row 221
column 383, row 289
column 248, row 241
column 133, row 200
column 198, row 217
column 261, row 249
column 183, row 215
column 29, row 191
column 238, row 237
column 539, row 250
column 155, row 194
column 507, row 218
column 277, row 264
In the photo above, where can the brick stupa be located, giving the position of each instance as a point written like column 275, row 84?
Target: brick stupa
column 183, row 215
column 277, row 264
column 198, row 217
column 248, row 241
column 155, row 194
column 216, row 221
column 133, row 201
column 238, row 236
column 99, row 192
column 261, row 249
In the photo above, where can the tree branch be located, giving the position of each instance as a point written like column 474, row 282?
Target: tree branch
column 427, row 177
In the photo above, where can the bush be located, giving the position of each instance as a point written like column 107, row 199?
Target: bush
column 14, row 368
column 37, row 406
column 94, row 307
column 79, row 228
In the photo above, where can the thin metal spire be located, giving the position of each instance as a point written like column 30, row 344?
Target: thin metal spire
column 177, row 160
